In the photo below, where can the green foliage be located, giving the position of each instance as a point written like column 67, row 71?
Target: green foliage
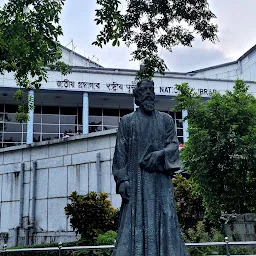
column 242, row 250
column 35, row 246
column 38, row 253
column 153, row 24
column 107, row 238
column 103, row 239
column 189, row 204
column 29, row 32
column 91, row 215
column 24, row 106
column 19, row 94
column 22, row 113
column 199, row 234
column 43, row 253
column 220, row 154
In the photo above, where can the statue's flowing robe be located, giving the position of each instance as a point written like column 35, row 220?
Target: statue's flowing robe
column 148, row 221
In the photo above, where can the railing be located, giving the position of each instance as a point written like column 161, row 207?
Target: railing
column 60, row 248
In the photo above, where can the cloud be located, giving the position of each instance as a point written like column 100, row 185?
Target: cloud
column 2, row 2
column 184, row 59
column 236, row 21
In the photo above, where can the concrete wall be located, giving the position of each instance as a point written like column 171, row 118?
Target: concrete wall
column 63, row 166
column 249, row 67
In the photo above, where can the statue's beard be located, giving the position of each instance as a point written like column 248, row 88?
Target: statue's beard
column 148, row 104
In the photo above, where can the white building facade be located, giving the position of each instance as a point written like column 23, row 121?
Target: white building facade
column 68, row 143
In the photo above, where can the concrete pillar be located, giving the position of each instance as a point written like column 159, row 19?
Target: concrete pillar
column 98, row 169
column 30, row 123
column 85, row 113
column 185, row 125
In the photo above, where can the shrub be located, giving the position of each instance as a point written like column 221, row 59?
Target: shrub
column 42, row 253
column 200, row 235
column 189, row 204
column 107, row 238
column 91, row 215
column 242, row 250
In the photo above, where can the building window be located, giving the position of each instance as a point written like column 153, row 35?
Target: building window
column 55, row 122
column 12, row 133
column 101, row 119
column 177, row 118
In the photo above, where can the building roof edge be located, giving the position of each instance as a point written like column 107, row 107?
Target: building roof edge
column 227, row 63
column 81, row 56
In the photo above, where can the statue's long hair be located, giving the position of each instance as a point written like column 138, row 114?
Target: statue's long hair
column 136, row 90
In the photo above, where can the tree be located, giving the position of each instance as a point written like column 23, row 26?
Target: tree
column 91, row 214
column 150, row 24
column 220, row 154
column 29, row 31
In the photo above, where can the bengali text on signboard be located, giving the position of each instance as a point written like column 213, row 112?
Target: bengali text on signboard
column 122, row 88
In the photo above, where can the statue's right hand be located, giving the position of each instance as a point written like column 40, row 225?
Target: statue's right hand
column 124, row 190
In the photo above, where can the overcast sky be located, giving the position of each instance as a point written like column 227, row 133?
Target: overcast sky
column 236, row 20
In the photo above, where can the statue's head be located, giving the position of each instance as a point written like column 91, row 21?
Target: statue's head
column 144, row 95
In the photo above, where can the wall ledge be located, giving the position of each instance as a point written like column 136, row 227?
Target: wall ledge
column 59, row 141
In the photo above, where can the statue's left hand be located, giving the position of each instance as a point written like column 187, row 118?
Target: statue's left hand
column 154, row 161
column 124, row 190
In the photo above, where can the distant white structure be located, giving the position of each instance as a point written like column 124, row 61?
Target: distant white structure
column 74, row 59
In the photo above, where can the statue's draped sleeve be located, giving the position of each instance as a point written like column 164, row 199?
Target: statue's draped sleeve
column 172, row 160
column 120, row 160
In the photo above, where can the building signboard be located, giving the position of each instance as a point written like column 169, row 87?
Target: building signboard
column 124, row 83
column 121, row 88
